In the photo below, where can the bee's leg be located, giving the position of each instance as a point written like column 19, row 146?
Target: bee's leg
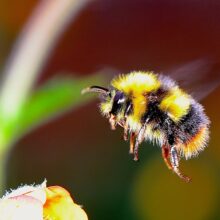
column 112, row 121
column 174, row 159
column 136, row 158
column 132, row 141
column 139, row 140
column 125, row 136
column 166, row 155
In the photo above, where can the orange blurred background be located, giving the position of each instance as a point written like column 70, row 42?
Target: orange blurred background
column 79, row 151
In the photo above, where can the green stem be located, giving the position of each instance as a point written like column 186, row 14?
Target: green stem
column 32, row 49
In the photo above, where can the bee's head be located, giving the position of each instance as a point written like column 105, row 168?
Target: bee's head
column 113, row 102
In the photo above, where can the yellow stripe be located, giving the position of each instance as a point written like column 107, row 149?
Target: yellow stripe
column 176, row 104
column 139, row 108
column 196, row 144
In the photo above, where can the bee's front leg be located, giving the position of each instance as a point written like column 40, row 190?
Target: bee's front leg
column 136, row 147
column 112, row 121
column 174, row 159
column 125, row 135
column 139, row 140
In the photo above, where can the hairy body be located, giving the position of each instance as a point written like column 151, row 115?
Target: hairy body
column 153, row 107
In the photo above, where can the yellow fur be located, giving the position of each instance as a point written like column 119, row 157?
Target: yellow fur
column 136, row 82
column 176, row 104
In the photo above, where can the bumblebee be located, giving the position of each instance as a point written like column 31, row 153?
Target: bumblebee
column 152, row 107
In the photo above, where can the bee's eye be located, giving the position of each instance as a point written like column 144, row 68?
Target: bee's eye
column 118, row 101
column 119, row 97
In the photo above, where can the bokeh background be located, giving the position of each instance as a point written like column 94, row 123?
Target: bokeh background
column 79, row 151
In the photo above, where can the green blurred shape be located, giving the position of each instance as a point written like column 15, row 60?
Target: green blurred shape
column 47, row 102
column 160, row 195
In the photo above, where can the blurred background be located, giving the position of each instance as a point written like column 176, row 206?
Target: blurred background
column 79, row 151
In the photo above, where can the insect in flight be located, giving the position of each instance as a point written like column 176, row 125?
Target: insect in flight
column 153, row 107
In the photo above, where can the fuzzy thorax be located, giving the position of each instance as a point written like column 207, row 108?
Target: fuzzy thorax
column 136, row 83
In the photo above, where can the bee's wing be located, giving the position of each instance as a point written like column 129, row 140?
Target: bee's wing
column 199, row 78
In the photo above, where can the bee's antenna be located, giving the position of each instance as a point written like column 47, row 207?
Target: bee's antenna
column 97, row 89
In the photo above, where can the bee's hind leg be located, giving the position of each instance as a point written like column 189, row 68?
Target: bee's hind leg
column 136, row 147
column 174, row 159
column 166, row 156
column 132, row 142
